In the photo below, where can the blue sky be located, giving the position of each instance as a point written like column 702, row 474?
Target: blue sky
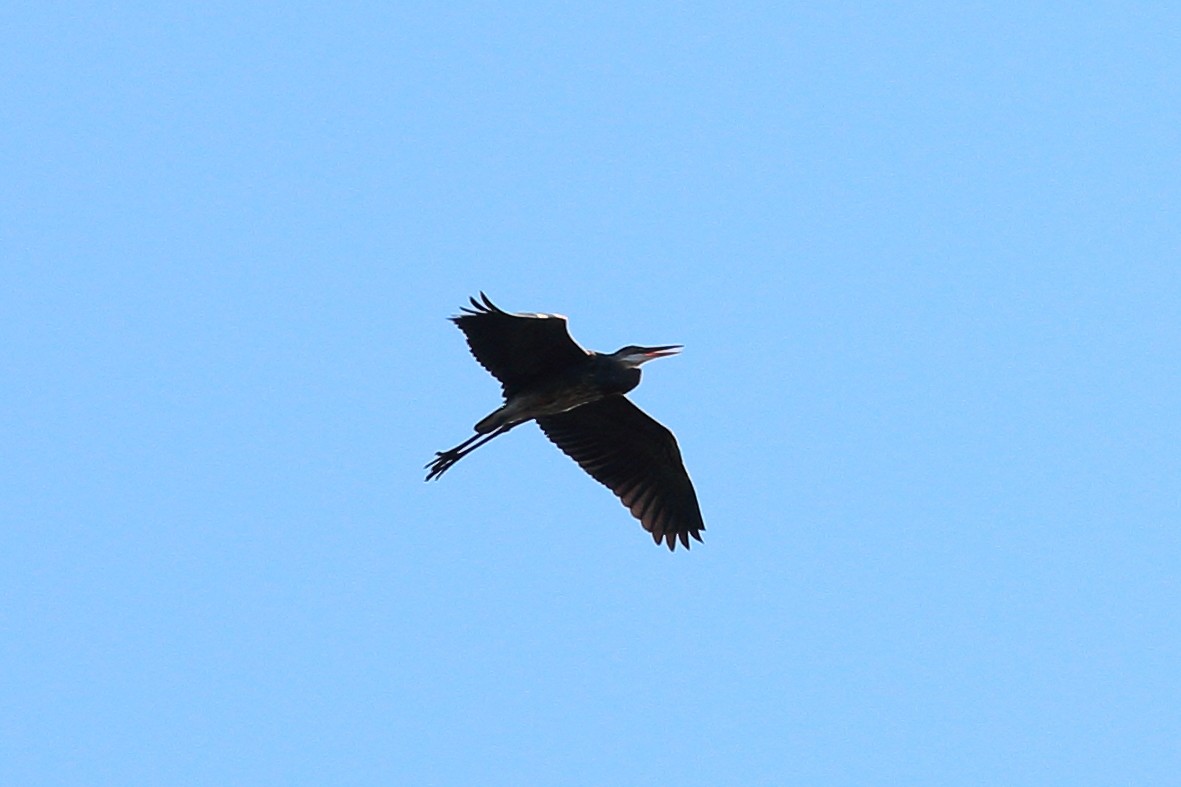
column 924, row 262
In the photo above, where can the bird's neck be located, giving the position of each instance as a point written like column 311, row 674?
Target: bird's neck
column 615, row 378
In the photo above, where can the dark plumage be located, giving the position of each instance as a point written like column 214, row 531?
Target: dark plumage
column 577, row 398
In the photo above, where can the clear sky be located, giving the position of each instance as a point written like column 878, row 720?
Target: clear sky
column 925, row 260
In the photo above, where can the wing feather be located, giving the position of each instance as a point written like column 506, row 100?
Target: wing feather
column 519, row 350
column 635, row 457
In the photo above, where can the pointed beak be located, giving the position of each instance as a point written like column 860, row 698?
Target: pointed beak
column 662, row 351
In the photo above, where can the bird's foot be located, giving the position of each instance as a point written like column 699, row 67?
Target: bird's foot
column 442, row 463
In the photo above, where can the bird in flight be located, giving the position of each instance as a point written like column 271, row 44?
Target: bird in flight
column 577, row 398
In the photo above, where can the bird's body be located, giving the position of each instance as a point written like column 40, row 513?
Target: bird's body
column 582, row 383
column 577, row 398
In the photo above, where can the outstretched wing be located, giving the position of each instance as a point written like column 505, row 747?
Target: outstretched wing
column 625, row 449
column 517, row 349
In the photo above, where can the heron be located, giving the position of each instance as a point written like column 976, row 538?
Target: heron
column 577, row 398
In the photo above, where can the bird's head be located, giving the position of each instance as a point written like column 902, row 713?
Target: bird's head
column 632, row 356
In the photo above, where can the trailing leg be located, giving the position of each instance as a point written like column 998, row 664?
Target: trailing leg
column 445, row 459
